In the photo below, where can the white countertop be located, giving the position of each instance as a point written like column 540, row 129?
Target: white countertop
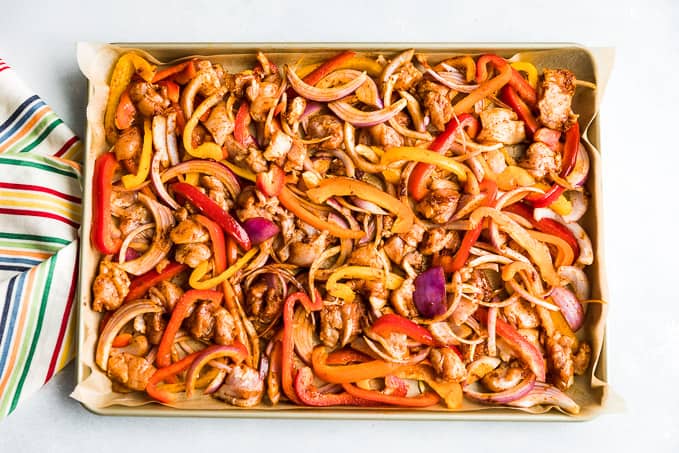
column 639, row 121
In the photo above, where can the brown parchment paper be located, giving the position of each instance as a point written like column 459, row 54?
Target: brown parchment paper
column 96, row 62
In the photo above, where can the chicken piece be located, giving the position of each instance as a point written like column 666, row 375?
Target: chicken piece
column 133, row 217
column 439, row 205
column 211, row 78
column 464, row 310
column 296, row 108
column 243, row 387
column 121, row 200
column 402, row 299
column 129, row 144
column 375, row 291
column 395, row 248
column 385, row 136
column 217, row 192
column 218, row 123
column 110, row 287
column 236, row 151
column 395, row 344
column 560, row 360
column 199, row 135
column 264, row 303
column 155, row 326
column 482, row 283
column 540, row 159
column 138, row 346
column 438, row 239
column 131, row 371
column 189, row 232
column 413, row 237
column 321, row 126
column 295, row 157
column 521, row 315
column 556, row 95
column 225, row 327
column 304, row 253
column 581, row 359
column 407, row 77
column 503, row 377
column 211, row 322
column 166, row 294
column 366, row 255
column 149, row 102
column 437, row 100
column 262, row 99
column 447, row 364
column 278, row 148
column 415, row 260
column 256, row 161
column 501, row 126
column 254, row 204
column 340, row 323
column 192, row 254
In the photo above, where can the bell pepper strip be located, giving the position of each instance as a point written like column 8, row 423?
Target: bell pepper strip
column 203, row 268
column 206, row 150
column 518, row 343
column 325, row 68
column 346, row 356
column 450, row 392
column 528, row 69
column 140, row 285
column 484, row 90
column 560, row 325
column 240, row 171
column 121, row 340
column 290, row 202
column 425, row 399
column 548, row 226
column 417, row 183
column 465, row 64
column 188, row 73
column 231, row 251
column 181, row 120
column 428, row 157
column 570, row 154
column 343, row 186
column 240, row 128
column 344, row 292
column 165, row 373
column 218, row 243
column 125, row 112
column 236, row 352
column 516, row 81
column 489, row 187
column 166, row 73
column 213, row 211
column 172, row 90
column 181, row 308
column 127, row 65
column 287, row 340
column 306, row 393
column 273, row 378
column 102, row 223
column 342, row 374
column 393, row 323
column 271, row 182
column 144, row 166
column 509, row 97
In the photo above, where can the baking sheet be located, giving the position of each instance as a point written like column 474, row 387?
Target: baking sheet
column 96, row 62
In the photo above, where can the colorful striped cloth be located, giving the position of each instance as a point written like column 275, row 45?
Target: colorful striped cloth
column 40, row 197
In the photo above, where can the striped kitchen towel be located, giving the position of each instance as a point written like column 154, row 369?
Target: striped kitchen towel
column 40, row 198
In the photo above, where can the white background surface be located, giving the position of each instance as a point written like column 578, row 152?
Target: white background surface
column 639, row 134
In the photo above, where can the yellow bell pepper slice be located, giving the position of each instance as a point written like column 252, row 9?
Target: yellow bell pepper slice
column 200, row 271
column 130, row 181
column 561, row 206
column 429, row 157
column 240, row 171
column 529, row 70
column 344, row 292
column 126, row 66
column 466, row 63
column 207, row 150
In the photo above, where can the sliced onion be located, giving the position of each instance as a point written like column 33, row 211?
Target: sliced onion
column 577, row 278
column 304, row 335
column 120, row 317
column 548, row 395
column 124, row 255
column 415, row 111
column 586, row 251
column 507, row 396
column 208, row 167
column 374, row 350
column 480, row 367
column 492, row 322
column 578, row 176
column 311, row 108
column 234, row 351
column 531, row 298
column 396, row 63
column 360, row 118
column 160, row 143
column 190, row 91
column 161, row 245
column 366, row 93
column 388, row 89
column 450, row 82
column 171, row 138
column 368, row 206
column 215, row 383
column 323, row 94
column 260, row 229
column 430, row 292
column 579, row 202
column 570, row 307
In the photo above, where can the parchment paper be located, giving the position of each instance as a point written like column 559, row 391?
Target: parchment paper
column 96, row 62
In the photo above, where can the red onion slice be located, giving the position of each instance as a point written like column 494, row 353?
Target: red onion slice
column 546, row 394
column 215, row 383
column 578, row 175
column 579, row 202
column 367, row 93
column 260, row 229
column 430, row 292
column 323, row 94
column 450, row 82
column 577, row 278
column 570, row 307
column 586, row 250
column 507, row 396
column 360, row 118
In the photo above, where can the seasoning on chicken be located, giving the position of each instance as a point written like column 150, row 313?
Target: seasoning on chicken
column 210, row 322
column 110, row 287
column 166, row 294
column 540, row 159
column 366, row 255
column 385, row 136
column 129, row 144
column 402, row 299
column 264, row 303
column 501, row 126
column 438, row 239
column 219, row 124
column 149, row 102
column 243, row 387
column 340, row 323
column 447, row 364
column 556, row 95
column 407, row 77
column 129, row 370
column 439, row 205
column 522, row 315
column 321, row 126
column 437, row 100
column 504, row 377
column 278, row 148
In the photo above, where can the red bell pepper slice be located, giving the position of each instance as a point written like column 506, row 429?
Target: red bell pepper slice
column 324, row 69
column 171, row 71
column 517, row 82
column 548, row 226
column 393, row 323
column 122, row 340
column 231, row 251
column 165, row 373
column 417, row 183
column 163, row 358
column 102, row 224
column 425, row 399
column 218, row 243
column 215, row 212
column 307, row 394
column 140, row 285
column 125, row 112
column 189, row 72
column 287, row 340
column 508, row 96
column 240, row 128
column 271, row 182
column 470, row 237
column 346, row 356
column 172, row 89
column 522, row 347
column 569, row 157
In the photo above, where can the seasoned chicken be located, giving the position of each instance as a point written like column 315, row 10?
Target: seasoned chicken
column 439, row 205
column 189, row 232
column 402, row 299
column 217, row 192
column 503, row 377
column 464, row 310
column 149, row 102
column 321, row 126
column 278, row 148
column 581, row 359
column 540, row 159
column 295, row 157
column 366, row 255
column 560, row 360
column 192, row 254
column 264, row 304
column 262, row 97
column 296, row 108
column 438, row 239
column 407, row 77
column 304, row 253
column 340, row 323
column 129, row 370
column 447, row 364
column 556, row 95
column 243, row 387
column 385, row 136
column 396, row 249
column 218, row 123
column 129, row 144
column 437, row 100
column 521, row 315
column 210, row 321
column 133, row 217
column 155, row 325
column 110, row 287
column 166, row 294
column 501, row 126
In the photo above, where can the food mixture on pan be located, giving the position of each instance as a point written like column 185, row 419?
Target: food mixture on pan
column 362, row 231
